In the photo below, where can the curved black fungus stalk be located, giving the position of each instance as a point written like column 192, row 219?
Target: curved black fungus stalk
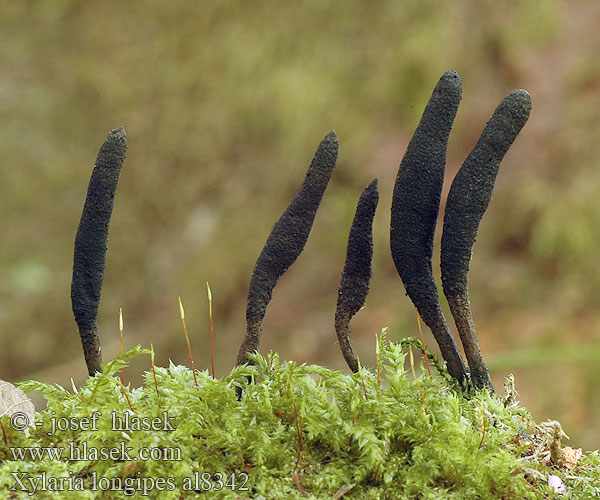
column 90, row 244
column 354, row 286
column 415, row 206
column 468, row 199
column 286, row 241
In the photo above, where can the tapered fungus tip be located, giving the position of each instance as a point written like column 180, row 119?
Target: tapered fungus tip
column 330, row 142
column 508, row 119
column 451, row 74
column 519, row 101
column 117, row 140
column 521, row 94
column 112, row 152
column 118, row 132
column 450, row 83
column 451, row 77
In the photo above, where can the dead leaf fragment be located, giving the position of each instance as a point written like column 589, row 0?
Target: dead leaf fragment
column 15, row 403
column 571, row 456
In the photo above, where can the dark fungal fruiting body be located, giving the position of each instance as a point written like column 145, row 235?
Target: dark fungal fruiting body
column 91, row 243
column 354, row 285
column 471, row 190
column 415, row 207
column 286, row 241
column 469, row 197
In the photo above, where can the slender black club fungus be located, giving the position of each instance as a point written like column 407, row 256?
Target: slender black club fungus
column 286, row 241
column 354, row 286
column 415, row 207
column 90, row 244
column 468, row 199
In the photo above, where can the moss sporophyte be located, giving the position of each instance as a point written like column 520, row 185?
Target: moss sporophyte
column 278, row 430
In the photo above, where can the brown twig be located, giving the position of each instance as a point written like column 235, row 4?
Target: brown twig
column 534, row 488
column 301, row 490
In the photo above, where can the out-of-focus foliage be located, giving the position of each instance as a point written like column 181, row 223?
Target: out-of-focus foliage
column 224, row 104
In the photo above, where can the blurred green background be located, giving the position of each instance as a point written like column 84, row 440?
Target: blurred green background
column 224, row 104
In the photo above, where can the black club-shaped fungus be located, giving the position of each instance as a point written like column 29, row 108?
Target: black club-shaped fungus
column 286, row 241
column 469, row 197
column 415, row 207
column 354, row 285
column 91, row 243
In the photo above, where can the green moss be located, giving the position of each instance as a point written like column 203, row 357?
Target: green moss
column 403, row 437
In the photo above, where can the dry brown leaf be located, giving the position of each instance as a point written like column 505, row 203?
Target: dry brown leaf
column 571, row 456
